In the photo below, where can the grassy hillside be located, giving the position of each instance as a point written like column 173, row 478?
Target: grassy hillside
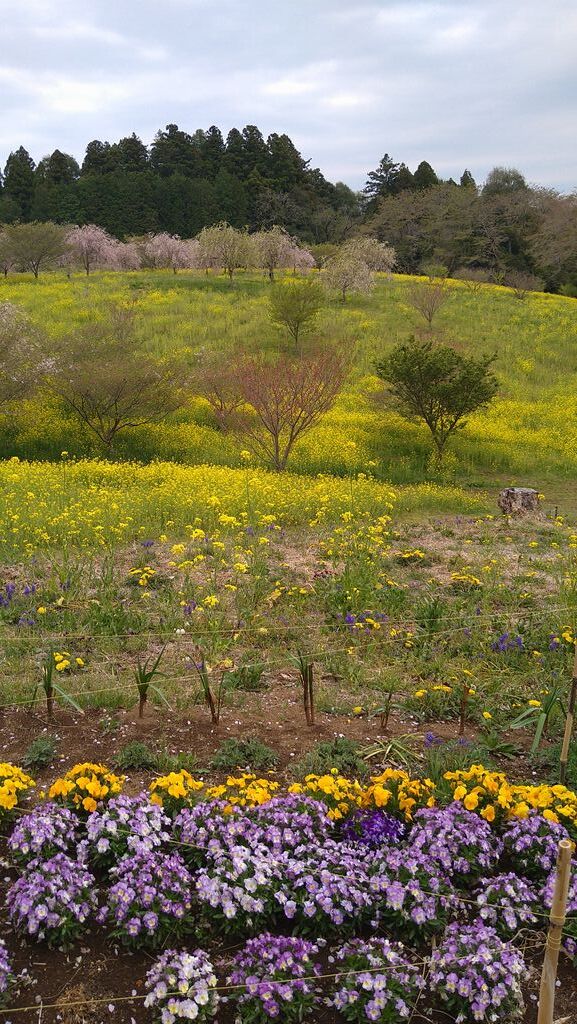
column 529, row 435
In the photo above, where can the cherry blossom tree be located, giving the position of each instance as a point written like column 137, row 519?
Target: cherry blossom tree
column 302, row 259
column 92, row 246
column 273, row 249
column 276, row 249
column 170, row 251
column 127, row 256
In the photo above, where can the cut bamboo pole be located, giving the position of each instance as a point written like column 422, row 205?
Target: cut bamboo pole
column 556, row 923
column 568, row 725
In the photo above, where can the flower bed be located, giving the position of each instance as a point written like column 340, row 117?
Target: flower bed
column 330, row 861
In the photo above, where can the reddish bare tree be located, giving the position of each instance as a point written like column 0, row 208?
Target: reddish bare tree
column 272, row 404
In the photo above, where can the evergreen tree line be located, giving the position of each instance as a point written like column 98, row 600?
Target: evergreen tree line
column 180, row 184
column 183, row 183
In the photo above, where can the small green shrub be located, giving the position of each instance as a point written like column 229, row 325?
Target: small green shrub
column 41, row 753
column 340, row 753
column 138, row 757
column 249, row 753
column 246, row 677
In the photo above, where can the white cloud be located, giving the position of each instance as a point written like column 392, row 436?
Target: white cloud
column 457, row 82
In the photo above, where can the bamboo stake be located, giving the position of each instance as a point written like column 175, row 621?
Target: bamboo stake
column 553, row 944
column 568, row 725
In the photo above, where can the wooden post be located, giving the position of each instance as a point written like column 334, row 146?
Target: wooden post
column 556, row 922
column 568, row 725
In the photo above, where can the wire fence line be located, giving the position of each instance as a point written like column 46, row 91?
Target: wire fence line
column 231, row 630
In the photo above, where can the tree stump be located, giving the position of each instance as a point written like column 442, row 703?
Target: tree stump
column 518, row 501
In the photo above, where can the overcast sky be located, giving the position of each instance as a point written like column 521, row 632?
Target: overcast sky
column 460, row 83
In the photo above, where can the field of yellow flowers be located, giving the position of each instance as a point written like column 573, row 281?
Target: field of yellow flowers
column 529, row 434
column 353, row 664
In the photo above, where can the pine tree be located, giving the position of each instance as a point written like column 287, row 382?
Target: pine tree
column 19, row 181
column 132, row 154
column 424, row 176
column 467, row 180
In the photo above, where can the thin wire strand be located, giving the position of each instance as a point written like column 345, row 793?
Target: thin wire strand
column 221, row 630
column 275, row 663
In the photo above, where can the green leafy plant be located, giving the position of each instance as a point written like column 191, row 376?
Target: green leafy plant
column 496, row 746
column 144, row 673
column 41, row 753
column 539, row 717
column 341, row 754
column 246, row 677
column 250, row 752
column 52, row 689
column 137, row 757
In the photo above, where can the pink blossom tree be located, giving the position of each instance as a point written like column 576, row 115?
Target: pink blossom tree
column 127, row 256
column 170, row 251
column 273, row 249
column 92, row 246
column 301, row 259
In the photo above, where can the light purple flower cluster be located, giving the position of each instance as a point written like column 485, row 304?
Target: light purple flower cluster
column 150, row 899
column 279, row 825
column 52, row 900
column 458, row 841
column 200, row 829
column 45, row 831
column 531, row 844
column 507, row 902
column 127, row 825
column 366, row 993
column 476, row 975
column 415, row 896
column 181, row 986
column 570, row 930
column 278, row 974
column 316, row 887
column 240, row 886
column 5, row 970
column 326, row 887
column 374, row 828
column 292, row 820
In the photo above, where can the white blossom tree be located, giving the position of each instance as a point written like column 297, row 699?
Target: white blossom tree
column 222, row 246
column 346, row 273
column 377, row 255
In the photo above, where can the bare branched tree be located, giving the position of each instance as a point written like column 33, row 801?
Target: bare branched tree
column 22, row 358
column 270, row 405
column 105, row 377
column 427, row 298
